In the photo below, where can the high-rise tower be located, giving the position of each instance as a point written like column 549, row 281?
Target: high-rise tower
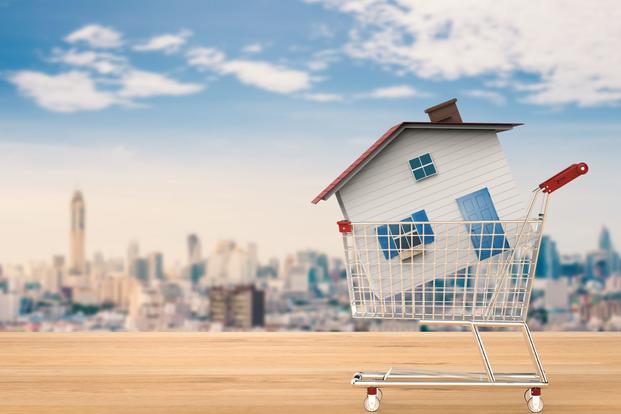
column 194, row 249
column 77, row 262
column 605, row 242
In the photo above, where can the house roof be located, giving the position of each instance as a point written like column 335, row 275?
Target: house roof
column 389, row 136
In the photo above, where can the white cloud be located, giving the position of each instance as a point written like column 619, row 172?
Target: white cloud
column 77, row 91
column 323, row 97
column 142, row 84
column 268, row 76
column 571, row 48
column 103, row 63
column 96, row 36
column 168, row 43
column 492, row 96
column 392, row 92
column 260, row 74
column 99, row 79
column 205, row 57
column 253, row 48
column 66, row 92
column 322, row 59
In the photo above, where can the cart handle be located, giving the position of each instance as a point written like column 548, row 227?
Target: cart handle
column 568, row 174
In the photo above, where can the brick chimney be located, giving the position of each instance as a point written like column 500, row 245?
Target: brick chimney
column 445, row 113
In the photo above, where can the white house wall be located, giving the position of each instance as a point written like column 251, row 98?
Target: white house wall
column 385, row 190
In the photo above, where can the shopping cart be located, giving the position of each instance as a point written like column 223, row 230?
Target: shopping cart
column 482, row 277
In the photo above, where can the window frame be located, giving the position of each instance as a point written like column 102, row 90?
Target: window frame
column 422, row 167
column 408, row 236
column 389, row 236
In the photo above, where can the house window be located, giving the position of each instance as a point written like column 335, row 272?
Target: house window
column 405, row 236
column 406, row 239
column 422, row 167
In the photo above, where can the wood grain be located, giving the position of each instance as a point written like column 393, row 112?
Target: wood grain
column 181, row 373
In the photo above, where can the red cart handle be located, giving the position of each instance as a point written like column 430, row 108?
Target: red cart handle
column 568, row 174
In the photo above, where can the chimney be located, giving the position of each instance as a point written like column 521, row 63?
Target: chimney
column 445, row 113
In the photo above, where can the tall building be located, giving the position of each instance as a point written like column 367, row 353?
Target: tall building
column 548, row 264
column 77, row 264
column 56, row 276
column 605, row 243
column 612, row 257
column 238, row 307
column 133, row 254
column 156, row 266
column 194, row 249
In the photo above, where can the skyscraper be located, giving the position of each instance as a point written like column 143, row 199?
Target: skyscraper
column 156, row 266
column 77, row 262
column 133, row 254
column 606, row 259
column 548, row 264
column 605, row 243
column 194, row 249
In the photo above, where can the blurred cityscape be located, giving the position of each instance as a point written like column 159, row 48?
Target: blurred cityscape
column 230, row 289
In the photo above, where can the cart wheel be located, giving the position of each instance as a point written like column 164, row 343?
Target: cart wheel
column 371, row 403
column 535, row 404
column 379, row 394
column 527, row 395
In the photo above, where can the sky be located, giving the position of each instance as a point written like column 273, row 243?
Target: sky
column 226, row 118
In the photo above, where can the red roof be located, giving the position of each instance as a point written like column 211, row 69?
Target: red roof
column 391, row 134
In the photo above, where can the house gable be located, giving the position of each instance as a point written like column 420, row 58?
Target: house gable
column 466, row 160
column 377, row 147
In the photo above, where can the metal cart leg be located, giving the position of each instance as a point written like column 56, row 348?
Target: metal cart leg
column 486, row 362
column 533, row 353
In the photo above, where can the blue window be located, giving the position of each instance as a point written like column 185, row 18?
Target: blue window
column 397, row 239
column 488, row 239
column 422, row 167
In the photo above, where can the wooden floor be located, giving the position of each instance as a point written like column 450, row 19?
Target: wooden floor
column 290, row 372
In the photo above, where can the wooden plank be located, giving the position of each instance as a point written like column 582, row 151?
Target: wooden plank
column 182, row 373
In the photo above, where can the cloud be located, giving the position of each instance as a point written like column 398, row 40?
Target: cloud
column 322, row 59
column 492, row 96
column 260, row 74
column 323, row 97
column 96, row 36
column 66, row 92
column 571, row 50
column 253, row 48
column 206, row 57
column 103, row 63
column 100, row 79
column 143, row 84
column 168, row 43
column 392, row 92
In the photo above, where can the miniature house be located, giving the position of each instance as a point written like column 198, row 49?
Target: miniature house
column 441, row 170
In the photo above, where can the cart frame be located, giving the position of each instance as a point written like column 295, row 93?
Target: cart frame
column 487, row 316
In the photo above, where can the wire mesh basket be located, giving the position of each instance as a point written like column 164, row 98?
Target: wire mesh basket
column 442, row 271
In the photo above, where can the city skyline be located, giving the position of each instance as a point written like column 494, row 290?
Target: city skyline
column 230, row 288
column 78, row 254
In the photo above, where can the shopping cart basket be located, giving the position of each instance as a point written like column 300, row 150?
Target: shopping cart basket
column 477, row 274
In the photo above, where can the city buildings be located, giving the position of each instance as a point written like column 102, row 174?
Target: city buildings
column 238, row 307
column 231, row 289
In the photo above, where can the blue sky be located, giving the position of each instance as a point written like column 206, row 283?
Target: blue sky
column 225, row 118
